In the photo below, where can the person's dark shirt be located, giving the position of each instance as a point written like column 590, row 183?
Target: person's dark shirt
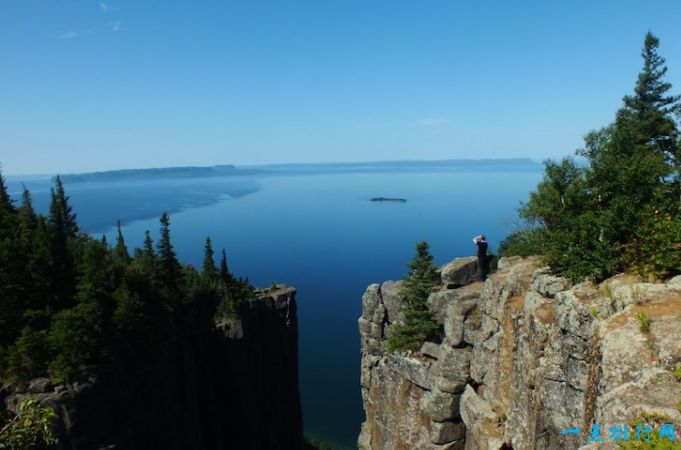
column 482, row 248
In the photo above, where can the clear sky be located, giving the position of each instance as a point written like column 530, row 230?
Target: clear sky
column 92, row 85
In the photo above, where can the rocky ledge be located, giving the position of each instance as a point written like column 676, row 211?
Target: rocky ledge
column 523, row 357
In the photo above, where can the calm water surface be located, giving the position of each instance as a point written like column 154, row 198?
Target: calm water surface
column 320, row 234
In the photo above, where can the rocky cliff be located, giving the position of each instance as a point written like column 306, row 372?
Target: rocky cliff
column 235, row 388
column 523, row 358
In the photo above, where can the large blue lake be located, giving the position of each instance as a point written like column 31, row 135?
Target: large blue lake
column 319, row 233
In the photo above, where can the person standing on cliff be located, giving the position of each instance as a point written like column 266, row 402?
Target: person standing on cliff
column 483, row 269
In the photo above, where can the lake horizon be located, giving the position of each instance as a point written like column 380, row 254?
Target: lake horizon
column 317, row 232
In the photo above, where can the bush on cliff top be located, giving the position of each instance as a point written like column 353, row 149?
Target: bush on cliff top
column 621, row 211
column 419, row 322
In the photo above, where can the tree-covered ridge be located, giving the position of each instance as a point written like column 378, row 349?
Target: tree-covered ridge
column 68, row 301
column 622, row 210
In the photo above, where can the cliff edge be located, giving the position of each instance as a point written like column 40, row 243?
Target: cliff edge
column 236, row 387
column 523, row 358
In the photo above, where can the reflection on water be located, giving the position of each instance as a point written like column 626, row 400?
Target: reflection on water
column 99, row 205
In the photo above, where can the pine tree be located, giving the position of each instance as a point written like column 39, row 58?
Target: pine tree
column 224, row 270
column 148, row 255
column 419, row 321
column 62, row 271
column 622, row 211
column 170, row 270
column 27, row 216
column 6, row 206
column 209, row 271
column 61, row 202
column 10, row 270
column 121, row 250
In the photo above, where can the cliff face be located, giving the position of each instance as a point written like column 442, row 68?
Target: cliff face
column 524, row 357
column 237, row 388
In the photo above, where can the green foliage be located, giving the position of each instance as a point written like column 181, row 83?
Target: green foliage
column 32, row 428
column 419, row 321
column 648, row 441
column 643, row 321
column 621, row 211
column 209, row 272
column 70, row 301
column 523, row 243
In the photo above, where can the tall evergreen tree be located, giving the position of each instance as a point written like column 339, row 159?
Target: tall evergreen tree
column 61, row 201
column 10, row 270
column 27, row 215
column 623, row 210
column 6, row 206
column 121, row 250
column 148, row 253
column 419, row 321
column 62, row 271
column 209, row 271
column 169, row 267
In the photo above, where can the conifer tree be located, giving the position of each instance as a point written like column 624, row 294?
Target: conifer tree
column 62, row 272
column 6, row 206
column 10, row 284
column 61, row 202
column 169, row 267
column 27, row 216
column 622, row 211
column 209, row 271
column 419, row 321
column 121, row 250
column 148, row 254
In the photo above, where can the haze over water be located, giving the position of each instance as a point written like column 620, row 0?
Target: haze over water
column 319, row 233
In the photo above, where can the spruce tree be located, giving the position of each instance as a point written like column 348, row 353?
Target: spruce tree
column 61, row 201
column 10, row 269
column 62, row 272
column 224, row 270
column 419, row 321
column 6, row 206
column 169, row 267
column 121, row 250
column 622, row 211
column 209, row 271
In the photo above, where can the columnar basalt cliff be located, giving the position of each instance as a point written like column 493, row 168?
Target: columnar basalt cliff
column 523, row 357
column 235, row 388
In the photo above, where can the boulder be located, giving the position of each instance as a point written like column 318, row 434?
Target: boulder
column 460, row 272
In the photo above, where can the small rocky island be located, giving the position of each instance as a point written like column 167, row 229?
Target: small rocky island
column 389, row 199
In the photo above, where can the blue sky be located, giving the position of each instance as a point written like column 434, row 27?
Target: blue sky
column 90, row 85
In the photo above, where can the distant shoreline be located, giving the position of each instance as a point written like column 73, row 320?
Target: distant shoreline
column 228, row 170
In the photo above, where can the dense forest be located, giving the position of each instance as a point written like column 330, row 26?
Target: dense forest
column 617, row 207
column 69, row 300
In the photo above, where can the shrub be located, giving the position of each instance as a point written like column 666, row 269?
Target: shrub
column 32, row 428
column 643, row 321
column 522, row 243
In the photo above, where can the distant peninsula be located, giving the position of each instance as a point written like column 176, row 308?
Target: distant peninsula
column 159, row 173
column 225, row 170
column 389, row 199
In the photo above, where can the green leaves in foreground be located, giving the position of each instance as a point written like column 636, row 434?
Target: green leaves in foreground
column 32, row 428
